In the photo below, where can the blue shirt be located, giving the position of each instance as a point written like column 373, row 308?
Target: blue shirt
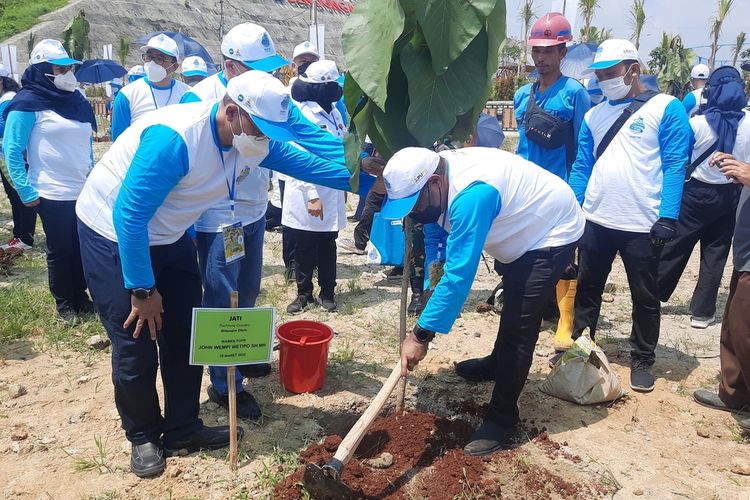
column 567, row 100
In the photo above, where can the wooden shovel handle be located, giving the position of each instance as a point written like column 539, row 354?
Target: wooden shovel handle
column 354, row 436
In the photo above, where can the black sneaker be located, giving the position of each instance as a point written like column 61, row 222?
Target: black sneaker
column 416, row 306
column 394, row 273
column 207, row 438
column 328, row 303
column 70, row 316
column 477, row 369
column 491, row 437
column 300, row 304
column 147, row 459
column 255, row 371
column 247, row 407
column 641, row 379
column 84, row 307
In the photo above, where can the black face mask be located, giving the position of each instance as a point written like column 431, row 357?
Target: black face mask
column 430, row 214
column 303, row 67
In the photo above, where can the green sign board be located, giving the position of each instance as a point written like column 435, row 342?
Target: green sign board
column 226, row 337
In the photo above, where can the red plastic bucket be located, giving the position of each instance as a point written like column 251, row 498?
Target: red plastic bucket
column 303, row 354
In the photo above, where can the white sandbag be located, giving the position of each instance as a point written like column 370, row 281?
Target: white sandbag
column 583, row 375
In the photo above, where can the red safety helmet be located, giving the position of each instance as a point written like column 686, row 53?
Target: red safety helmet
column 551, row 29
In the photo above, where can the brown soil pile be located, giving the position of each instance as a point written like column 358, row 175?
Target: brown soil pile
column 428, row 462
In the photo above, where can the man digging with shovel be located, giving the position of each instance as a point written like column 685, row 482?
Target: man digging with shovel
column 523, row 216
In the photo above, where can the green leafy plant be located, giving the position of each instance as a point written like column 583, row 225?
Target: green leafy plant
column 672, row 62
column 637, row 14
column 418, row 70
column 723, row 7
column 123, row 49
column 75, row 37
column 737, row 50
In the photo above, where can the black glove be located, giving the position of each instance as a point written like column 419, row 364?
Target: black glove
column 662, row 231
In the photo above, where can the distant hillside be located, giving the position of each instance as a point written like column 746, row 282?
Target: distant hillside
column 19, row 15
column 110, row 20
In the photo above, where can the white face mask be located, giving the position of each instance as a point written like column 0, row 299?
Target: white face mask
column 66, row 81
column 249, row 145
column 154, row 72
column 615, row 89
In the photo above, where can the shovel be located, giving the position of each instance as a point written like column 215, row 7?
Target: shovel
column 325, row 482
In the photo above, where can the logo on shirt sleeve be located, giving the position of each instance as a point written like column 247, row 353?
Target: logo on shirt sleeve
column 638, row 126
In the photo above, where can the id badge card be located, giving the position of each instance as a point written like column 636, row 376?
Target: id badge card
column 234, row 242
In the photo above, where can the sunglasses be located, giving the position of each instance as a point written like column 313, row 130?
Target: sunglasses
column 160, row 60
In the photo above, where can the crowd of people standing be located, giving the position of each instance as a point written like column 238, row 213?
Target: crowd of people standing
column 140, row 237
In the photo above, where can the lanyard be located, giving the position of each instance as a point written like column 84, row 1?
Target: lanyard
column 156, row 105
column 324, row 115
column 230, row 188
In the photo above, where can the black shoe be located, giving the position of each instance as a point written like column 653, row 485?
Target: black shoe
column 641, row 379
column 207, row 438
column 491, row 437
column 711, row 399
column 416, row 305
column 247, row 407
column 394, row 273
column 328, row 303
column 477, row 369
column 69, row 316
column 554, row 359
column 299, row 304
column 255, row 371
column 147, row 459
column 84, row 307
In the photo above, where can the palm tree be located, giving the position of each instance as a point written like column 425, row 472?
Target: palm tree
column 723, row 8
column 596, row 35
column 526, row 15
column 741, row 39
column 123, row 49
column 587, row 8
column 30, row 42
column 637, row 20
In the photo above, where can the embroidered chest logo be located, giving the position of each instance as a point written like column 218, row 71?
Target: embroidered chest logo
column 246, row 170
column 638, row 126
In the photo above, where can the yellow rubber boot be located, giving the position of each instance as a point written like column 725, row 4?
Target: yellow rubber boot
column 566, row 296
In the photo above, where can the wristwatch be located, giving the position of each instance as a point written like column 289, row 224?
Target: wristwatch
column 142, row 293
column 423, row 336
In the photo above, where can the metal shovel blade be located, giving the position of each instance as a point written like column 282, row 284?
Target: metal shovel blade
column 324, row 483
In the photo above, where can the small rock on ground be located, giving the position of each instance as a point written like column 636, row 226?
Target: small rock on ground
column 741, row 467
column 98, row 342
column 384, row 461
column 16, row 391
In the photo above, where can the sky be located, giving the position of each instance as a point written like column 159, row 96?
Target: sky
column 688, row 18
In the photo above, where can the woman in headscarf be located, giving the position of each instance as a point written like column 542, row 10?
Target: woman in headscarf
column 53, row 122
column 24, row 218
column 709, row 199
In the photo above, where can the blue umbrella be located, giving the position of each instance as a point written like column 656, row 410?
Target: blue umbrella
column 187, row 46
column 99, row 70
column 579, row 57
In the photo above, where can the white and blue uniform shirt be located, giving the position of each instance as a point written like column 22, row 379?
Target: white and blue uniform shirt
column 567, row 100
column 504, row 205
column 140, row 97
column 693, row 101
column 297, row 193
column 704, row 137
column 639, row 177
column 4, row 103
column 251, row 194
column 164, row 172
column 59, row 152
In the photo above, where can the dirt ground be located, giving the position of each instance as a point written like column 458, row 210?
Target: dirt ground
column 62, row 438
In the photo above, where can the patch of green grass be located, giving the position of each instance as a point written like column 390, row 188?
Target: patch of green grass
column 19, row 15
column 98, row 462
column 281, row 464
column 105, row 495
column 342, row 355
column 737, row 435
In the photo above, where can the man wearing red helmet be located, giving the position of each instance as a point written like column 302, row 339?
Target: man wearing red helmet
column 548, row 128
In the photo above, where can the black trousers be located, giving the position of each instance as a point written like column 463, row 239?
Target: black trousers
column 707, row 216
column 273, row 213
column 529, row 284
column 315, row 249
column 373, row 203
column 135, row 361
column 24, row 218
column 597, row 250
column 64, row 269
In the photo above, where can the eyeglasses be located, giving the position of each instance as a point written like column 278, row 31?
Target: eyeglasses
column 160, row 60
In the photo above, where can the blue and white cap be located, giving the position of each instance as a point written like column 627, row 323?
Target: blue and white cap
column 266, row 100
column 194, row 66
column 51, row 51
column 252, row 46
column 612, row 52
column 305, row 48
column 163, row 44
column 405, row 175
